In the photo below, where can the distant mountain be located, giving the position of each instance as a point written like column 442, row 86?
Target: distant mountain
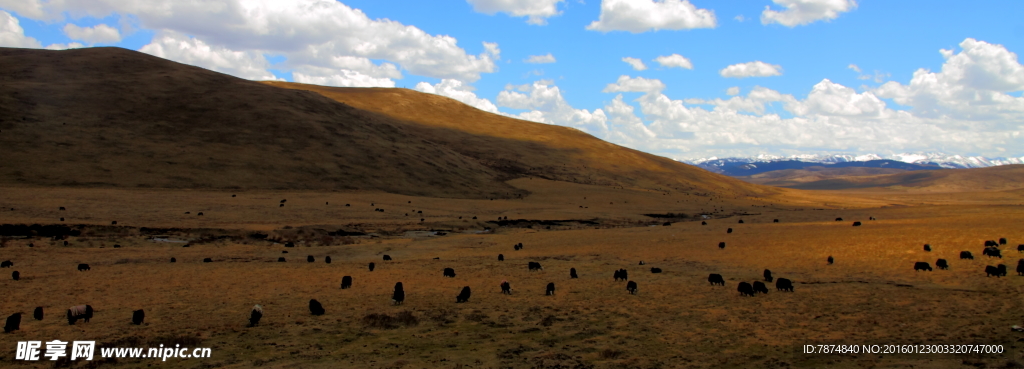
column 741, row 168
column 924, row 160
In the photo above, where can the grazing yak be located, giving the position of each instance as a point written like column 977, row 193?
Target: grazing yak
column 745, row 289
column 173, row 260
column 281, row 260
column 767, row 275
column 399, row 295
column 741, row 221
column 387, row 257
column 310, row 259
column 631, row 287
column 831, row 260
column 991, row 243
column 62, row 208
column 572, row 273
column 783, row 284
column 79, row 312
column 207, row 260
column 728, row 230
column 927, row 247
column 703, row 223
column 721, row 245
column 992, row 271
column 316, row 308
column 38, row 313
column 255, row 315
column 83, row 267
column 550, row 290
column 533, row 265
column 1020, row 267
column 372, row 265
column 839, row 219
column 1020, row 248
column 15, row 275
column 13, row 323
column 775, row 220
column 966, row 255
column 992, row 252
column 871, row 218
column 655, row 270
column 6, row 264
column 922, row 265
column 449, row 272
column 1002, row 241
column 138, row 316
column 856, row 224
column 716, row 279
column 942, row 264
column 327, row 259
column 1001, row 269
column 346, row 282
column 760, row 287
column 641, row 262
column 501, row 257
column 463, row 296
column 506, row 288
column 621, row 274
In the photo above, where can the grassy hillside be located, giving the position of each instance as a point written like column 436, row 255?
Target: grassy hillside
column 1001, row 178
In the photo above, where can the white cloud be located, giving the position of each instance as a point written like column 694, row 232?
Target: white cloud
column 637, row 64
column 537, row 10
column 854, row 67
column 312, row 30
column 638, row 84
column 11, row 33
column 70, row 45
column 740, row 18
column 674, row 61
column 546, row 105
column 972, row 85
column 456, row 90
column 189, row 50
column 800, row 12
column 833, row 99
column 540, row 59
column 639, row 16
column 751, row 69
column 343, row 78
column 100, row 33
column 732, row 91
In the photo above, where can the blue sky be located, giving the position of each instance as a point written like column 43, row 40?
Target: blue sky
column 771, row 77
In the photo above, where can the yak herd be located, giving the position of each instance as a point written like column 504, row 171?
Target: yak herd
column 85, row 312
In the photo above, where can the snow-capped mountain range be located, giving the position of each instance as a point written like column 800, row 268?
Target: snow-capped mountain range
column 942, row 160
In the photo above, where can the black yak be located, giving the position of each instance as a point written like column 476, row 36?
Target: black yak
column 15, row 275
column 767, row 275
column 501, row 257
column 728, row 230
column 856, row 224
column 839, row 219
column 38, row 313
column 783, row 284
column 449, row 272
column 927, row 247
column 966, row 255
column 1020, row 248
column 327, row 259
column 310, row 259
column 831, row 260
column 1001, row 269
column 533, row 265
column 631, row 287
column 281, row 260
column 992, row 252
column 760, row 287
column 745, row 289
column 83, row 267
column 572, row 273
column 138, row 316
column 387, row 257
column 207, row 260
column 506, row 288
column 399, row 295
column 372, row 265
column 655, row 270
column 316, row 308
column 922, row 265
column 1002, row 241
column 716, row 279
column 942, row 264
column 79, row 312
column 721, row 245
column 991, row 243
column 703, row 223
column 6, row 264
column 346, row 282
column 13, row 323
column 173, row 260
column 741, row 221
column 775, row 220
column 464, row 295
column 621, row 274
column 991, row 271
column 550, row 290
column 1020, row 267
column 255, row 315
column 641, row 262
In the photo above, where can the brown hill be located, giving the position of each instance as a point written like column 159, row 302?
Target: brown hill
column 795, row 177
column 1001, row 178
column 120, row 118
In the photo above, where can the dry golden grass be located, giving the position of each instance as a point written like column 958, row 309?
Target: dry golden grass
column 676, row 320
column 1000, row 178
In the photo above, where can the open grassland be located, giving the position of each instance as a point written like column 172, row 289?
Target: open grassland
column 871, row 295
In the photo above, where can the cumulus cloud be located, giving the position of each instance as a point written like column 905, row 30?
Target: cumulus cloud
column 456, row 90
column 732, row 91
column 189, row 50
column 751, row 69
column 314, row 30
column 545, row 104
column 537, row 11
column 800, row 12
column 972, row 85
column 674, row 61
column 11, row 33
column 638, row 84
column 637, row 64
column 100, row 33
column 639, row 16
column 540, row 59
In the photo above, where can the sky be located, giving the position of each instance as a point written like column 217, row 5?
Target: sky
column 685, row 79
